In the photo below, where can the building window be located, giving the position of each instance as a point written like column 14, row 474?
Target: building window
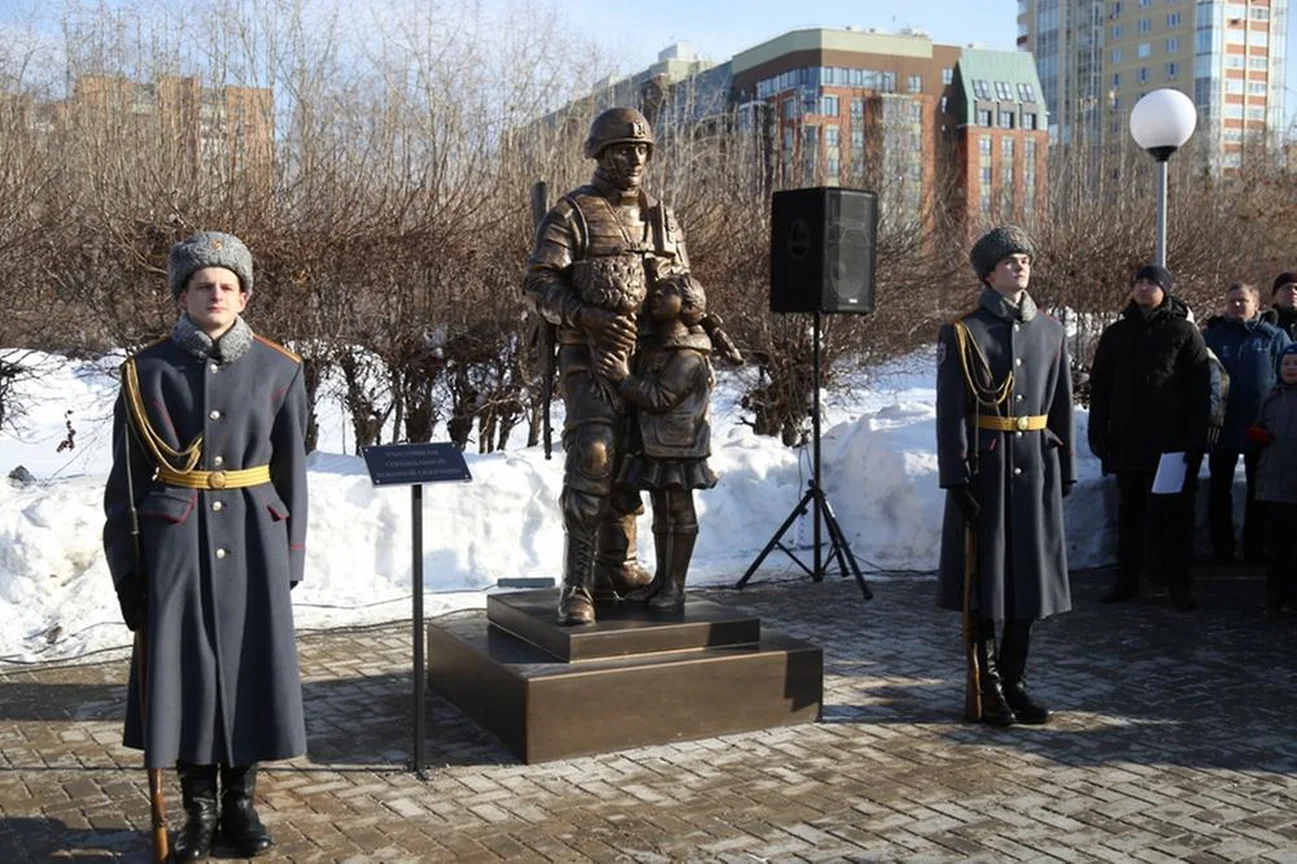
column 831, row 136
column 1172, row 44
column 985, row 175
column 1142, row 75
column 889, row 82
column 1258, row 63
column 984, row 145
column 857, row 108
column 1256, row 113
column 1234, row 85
column 790, row 109
column 1260, row 13
column 1006, row 119
column 1116, row 55
column 1116, row 80
column 1026, row 93
column 1116, row 9
column 1116, row 32
column 1256, row 88
column 1173, row 19
column 1029, row 121
column 1144, row 4
column 916, row 111
column 1258, row 38
column 790, row 138
column 1172, row 71
column 983, row 118
column 981, row 89
column 1006, row 148
column 1144, row 49
column 1002, row 91
column 829, row 105
column 915, row 84
column 857, row 139
column 947, row 75
column 1144, row 25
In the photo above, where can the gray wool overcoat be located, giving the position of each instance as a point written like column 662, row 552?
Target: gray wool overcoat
column 1017, row 476
column 223, row 681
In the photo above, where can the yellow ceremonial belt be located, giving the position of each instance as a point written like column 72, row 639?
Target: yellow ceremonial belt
column 1026, row 423
column 215, row 479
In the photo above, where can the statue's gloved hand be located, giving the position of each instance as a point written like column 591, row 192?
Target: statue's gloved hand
column 608, row 330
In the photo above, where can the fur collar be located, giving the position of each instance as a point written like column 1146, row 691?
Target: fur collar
column 230, row 347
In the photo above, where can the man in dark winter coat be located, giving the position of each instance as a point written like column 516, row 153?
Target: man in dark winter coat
column 208, row 451
column 1006, row 459
column 1249, row 348
column 1284, row 313
column 1151, row 391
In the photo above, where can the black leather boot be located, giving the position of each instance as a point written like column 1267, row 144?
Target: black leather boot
column 576, row 598
column 1013, row 664
column 240, row 825
column 995, row 709
column 198, row 794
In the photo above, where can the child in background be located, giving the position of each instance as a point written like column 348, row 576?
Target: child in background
column 1275, row 432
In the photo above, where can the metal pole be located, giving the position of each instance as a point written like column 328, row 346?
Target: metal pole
column 420, row 679
column 815, row 448
column 1159, row 255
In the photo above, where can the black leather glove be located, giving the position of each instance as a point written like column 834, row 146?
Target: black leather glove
column 966, row 501
column 1067, row 488
column 133, row 598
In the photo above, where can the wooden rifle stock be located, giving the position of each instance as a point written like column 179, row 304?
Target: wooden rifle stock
column 972, row 675
column 157, row 804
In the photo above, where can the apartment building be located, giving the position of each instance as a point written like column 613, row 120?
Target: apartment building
column 903, row 116
column 1096, row 58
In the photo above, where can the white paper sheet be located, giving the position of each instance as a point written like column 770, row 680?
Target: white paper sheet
column 1169, row 478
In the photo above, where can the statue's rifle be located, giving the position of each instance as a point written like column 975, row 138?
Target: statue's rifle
column 544, row 335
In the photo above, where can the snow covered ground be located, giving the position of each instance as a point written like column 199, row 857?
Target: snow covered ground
column 879, row 470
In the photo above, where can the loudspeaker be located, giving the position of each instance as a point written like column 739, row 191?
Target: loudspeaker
column 822, row 250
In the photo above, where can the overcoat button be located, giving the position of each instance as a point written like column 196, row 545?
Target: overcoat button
column 220, row 553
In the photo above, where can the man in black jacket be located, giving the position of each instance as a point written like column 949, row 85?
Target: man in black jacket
column 1151, row 395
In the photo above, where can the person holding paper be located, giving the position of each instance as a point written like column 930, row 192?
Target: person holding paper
column 1006, row 457
column 1150, row 402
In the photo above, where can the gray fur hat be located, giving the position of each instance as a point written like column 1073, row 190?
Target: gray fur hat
column 208, row 249
column 998, row 244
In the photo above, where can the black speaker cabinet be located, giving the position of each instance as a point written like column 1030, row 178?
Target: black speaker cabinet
column 822, row 250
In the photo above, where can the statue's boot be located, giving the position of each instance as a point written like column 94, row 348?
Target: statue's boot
column 575, row 598
column 617, row 571
column 662, row 550
column 679, row 551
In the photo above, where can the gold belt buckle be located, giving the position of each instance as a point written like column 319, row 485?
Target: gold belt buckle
column 1023, row 423
column 216, row 480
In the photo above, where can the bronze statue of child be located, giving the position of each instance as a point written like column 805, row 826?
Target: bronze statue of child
column 669, row 441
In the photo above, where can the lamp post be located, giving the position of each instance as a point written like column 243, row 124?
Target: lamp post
column 1161, row 122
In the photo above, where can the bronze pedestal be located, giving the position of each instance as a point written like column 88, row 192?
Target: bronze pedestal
column 633, row 679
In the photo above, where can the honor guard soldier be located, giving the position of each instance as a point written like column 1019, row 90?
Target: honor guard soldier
column 597, row 253
column 1006, row 458
column 209, row 462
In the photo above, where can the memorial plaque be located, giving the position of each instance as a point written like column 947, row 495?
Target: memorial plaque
column 406, row 464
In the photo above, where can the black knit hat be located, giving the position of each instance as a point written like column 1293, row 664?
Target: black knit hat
column 998, row 244
column 1281, row 280
column 1159, row 275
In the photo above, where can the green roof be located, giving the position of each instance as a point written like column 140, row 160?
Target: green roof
column 980, row 68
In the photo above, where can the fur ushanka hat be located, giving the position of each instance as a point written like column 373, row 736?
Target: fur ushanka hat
column 208, row 249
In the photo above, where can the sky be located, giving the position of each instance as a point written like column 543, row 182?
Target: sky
column 718, row 29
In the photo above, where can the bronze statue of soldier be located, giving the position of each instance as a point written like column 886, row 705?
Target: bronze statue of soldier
column 597, row 253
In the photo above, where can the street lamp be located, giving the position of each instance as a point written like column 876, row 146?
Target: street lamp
column 1161, row 122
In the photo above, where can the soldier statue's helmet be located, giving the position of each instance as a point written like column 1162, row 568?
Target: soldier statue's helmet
column 618, row 126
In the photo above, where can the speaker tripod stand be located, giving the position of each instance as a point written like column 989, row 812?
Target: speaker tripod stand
column 817, row 502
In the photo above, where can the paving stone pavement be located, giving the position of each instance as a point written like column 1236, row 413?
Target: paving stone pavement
column 1174, row 741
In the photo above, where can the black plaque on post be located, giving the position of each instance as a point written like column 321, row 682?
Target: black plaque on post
column 413, row 465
